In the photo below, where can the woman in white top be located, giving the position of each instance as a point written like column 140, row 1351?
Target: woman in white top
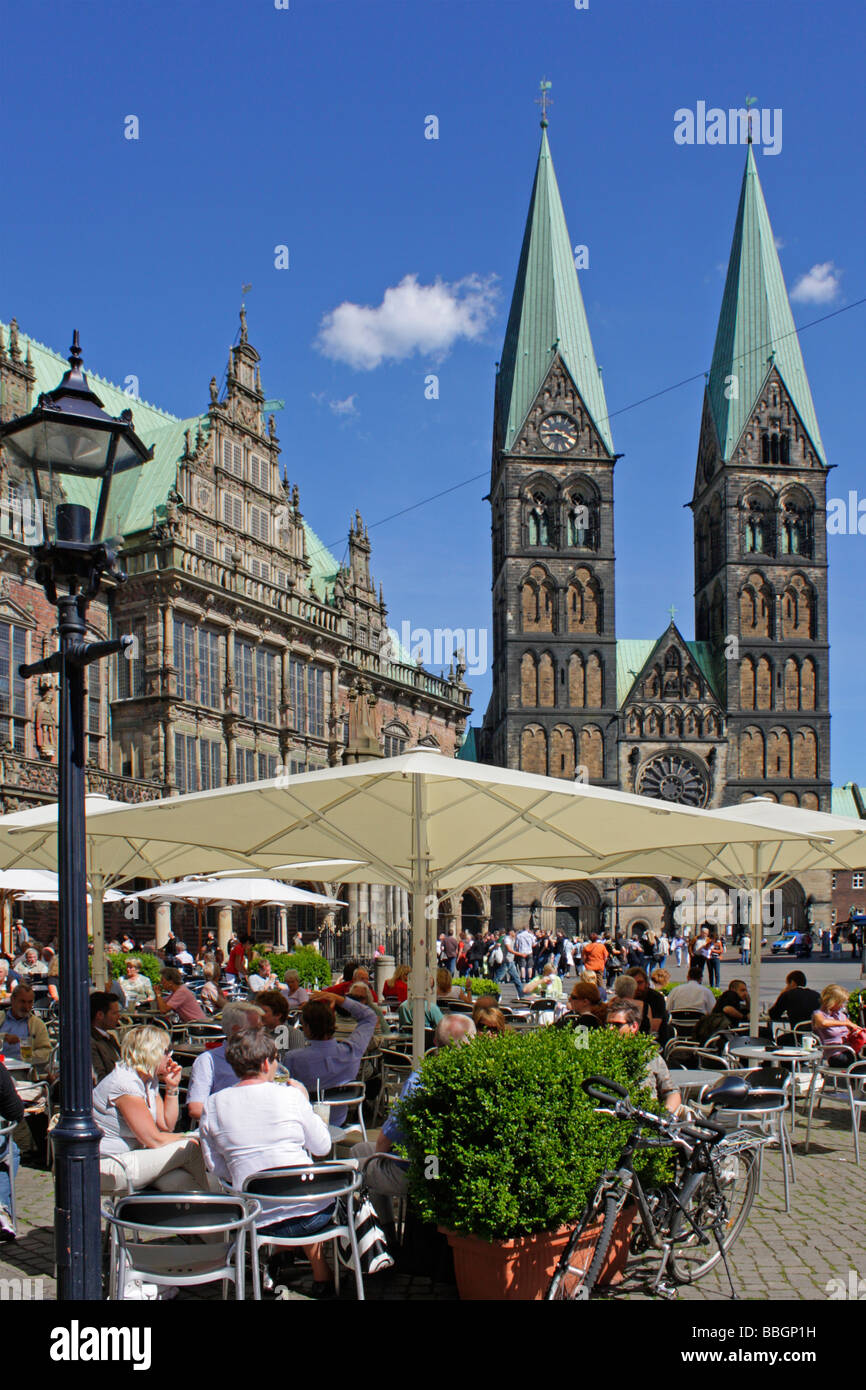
column 256, row 1125
column 139, row 1147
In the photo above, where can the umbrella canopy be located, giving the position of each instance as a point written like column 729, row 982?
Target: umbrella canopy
column 226, row 892
column 425, row 822
column 16, row 884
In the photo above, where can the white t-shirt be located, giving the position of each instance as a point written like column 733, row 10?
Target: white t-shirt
column 691, row 995
column 118, row 1138
column 246, row 1129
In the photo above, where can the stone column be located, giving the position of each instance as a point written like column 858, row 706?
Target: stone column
column 163, row 924
column 284, row 929
column 225, row 928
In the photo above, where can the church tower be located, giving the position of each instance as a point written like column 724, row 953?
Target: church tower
column 760, row 530
column 553, row 707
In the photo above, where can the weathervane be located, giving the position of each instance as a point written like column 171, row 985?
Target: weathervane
column 544, row 100
column 750, row 101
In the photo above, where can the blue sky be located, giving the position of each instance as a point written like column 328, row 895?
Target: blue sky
column 305, row 128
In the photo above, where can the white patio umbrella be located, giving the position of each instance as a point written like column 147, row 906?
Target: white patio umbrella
column 16, row 884
column 218, row 891
column 28, row 840
column 425, row 822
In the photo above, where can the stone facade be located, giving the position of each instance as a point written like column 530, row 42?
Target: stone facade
column 251, row 642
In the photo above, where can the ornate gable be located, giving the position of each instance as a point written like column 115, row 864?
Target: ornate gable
column 559, row 395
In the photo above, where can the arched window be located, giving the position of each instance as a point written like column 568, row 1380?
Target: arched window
column 533, row 750
column 758, row 538
column 546, row 680
column 583, row 603
column 764, row 684
column 747, row 683
column 752, row 753
column 805, row 753
column 594, row 693
column 536, row 601
column 576, row 681
column 538, row 517
column 807, row 684
column 779, row 753
column 528, row 681
column 716, row 540
column 798, row 609
column 756, row 607
column 592, row 752
column 796, row 525
column 562, row 752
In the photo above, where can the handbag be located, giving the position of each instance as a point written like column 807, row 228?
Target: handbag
column 372, row 1246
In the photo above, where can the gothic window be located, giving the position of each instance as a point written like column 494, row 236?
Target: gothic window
column 546, row 680
column 756, row 608
column 498, row 537
column 537, row 601
column 533, row 750
column 528, row 681
column 691, row 685
column 538, row 520
column 752, row 753
column 764, row 685
column 798, row 610
column 715, row 528
column 807, row 684
column 130, row 671
column 673, row 724
column 583, row 603
column 747, row 683
column 652, row 686
column 758, row 525
column 633, row 723
column 717, row 617
column 775, row 446
column 592, row 752
column 582, row 515
column 779, row 753
column 809, row 801
column 594, row 694
column 710, row 726
column 703, row 623
column 652, row 724
column 690, row 724
column 805, row 753
column 562, row 752
column 703, row 543
column 576, row 681
column 796, row 525
column 792, row 684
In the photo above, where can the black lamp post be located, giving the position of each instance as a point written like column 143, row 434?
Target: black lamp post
column 80, row 463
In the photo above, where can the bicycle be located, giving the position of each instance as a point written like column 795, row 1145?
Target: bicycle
column 711, row 1195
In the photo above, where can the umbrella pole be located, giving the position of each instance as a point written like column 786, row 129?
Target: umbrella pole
column 756, row 916
column 97, row 890
column 423, row 927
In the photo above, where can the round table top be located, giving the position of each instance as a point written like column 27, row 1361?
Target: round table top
column 785, row 1054
column 15, row 1064
column 688, row 1080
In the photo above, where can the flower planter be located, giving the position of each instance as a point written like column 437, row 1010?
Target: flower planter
column 521, row 1269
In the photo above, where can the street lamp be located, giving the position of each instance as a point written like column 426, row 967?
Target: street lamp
column 80, row 467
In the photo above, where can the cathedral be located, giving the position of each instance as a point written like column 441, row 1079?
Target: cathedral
column 743, row 709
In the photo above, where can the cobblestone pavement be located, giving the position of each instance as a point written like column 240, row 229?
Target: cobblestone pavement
column 779, row 1256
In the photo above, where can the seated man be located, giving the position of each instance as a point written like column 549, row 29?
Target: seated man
column 386, row 1172
column 326, row 1061
column 175, row 996
column 30, row 964
column 624, row 1016
column 275, row 1015
column 796, row 1003
column 547, row 985
column 692, row 995
column 19, row 1024
column 210, row 1071
column 262, row 977
column 730, row 1008
column 104, row 1046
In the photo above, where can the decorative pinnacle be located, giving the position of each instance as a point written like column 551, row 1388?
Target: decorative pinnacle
column 544, row 100
column 750, row 102
column 75, row 357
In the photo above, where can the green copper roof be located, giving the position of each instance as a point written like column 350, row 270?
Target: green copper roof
column 756, row 329
column 546, row 309
column 468, row 749
column 844, row 801
column 156, row 427
column 632, row 655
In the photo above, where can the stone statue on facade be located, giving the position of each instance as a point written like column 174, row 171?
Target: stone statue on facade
column 45, row 722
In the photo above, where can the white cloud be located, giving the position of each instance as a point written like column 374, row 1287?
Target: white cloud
column 820, row 285
column 778, row 243
column 346, row 407
column 412, row 318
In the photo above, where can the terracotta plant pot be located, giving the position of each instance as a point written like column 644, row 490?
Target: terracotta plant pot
column 521, row 1269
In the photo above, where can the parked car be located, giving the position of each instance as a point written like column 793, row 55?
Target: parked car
column 793, row 943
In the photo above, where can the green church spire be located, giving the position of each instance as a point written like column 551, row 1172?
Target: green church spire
column 547, row 314
column 756, row 329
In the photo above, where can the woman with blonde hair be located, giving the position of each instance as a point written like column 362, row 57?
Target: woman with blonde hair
column 397, row 988
column 447, row 989
column 834, row 1028
column 139, row 1147
column 490, row 1021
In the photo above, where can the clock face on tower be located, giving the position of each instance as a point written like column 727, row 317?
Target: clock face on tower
column 558, row 432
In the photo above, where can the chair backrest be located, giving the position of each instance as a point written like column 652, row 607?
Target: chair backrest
column 769, row 1078
column 710, row 1061
column 542, row 1005
column 350, row 1092
column 304, row 1183
column 686, row 1015
column 8, row 1127
column 182, row 1213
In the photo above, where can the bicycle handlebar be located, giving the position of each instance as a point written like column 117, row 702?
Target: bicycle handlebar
column 613, row 1092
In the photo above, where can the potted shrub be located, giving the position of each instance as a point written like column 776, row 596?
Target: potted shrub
column 314, row 970
column 506, row 1149
column 477, row 987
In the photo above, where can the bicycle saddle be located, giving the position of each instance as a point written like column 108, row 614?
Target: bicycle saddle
column 732, row 1091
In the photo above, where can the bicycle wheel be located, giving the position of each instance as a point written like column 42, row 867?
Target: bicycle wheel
column 737, row 1186
column 581, row 1264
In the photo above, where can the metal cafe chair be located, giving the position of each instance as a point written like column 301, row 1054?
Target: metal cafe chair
column 147, row 1239
column 281, row 1187
column 6, row 1132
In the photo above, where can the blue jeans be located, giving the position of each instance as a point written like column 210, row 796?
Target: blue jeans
column 451, row 965
column 508, row 971
column 298, row 1226
column 714, row 972
column 5, row 1180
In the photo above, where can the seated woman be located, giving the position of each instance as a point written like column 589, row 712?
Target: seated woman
column 547, row 985
column 211, row 997
column 257, row 1125
column 584, row 1007
column 834, row 1028
column 135, row 988
column 447, row 990
column 591, row 977
column 396, row 990
column 139, row 1147
column 490, row 1021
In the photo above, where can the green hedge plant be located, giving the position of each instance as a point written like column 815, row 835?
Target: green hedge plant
column 314, row 970
column 151, row 966
column 856, row 1001
column 477, row 986
column 504, row 1142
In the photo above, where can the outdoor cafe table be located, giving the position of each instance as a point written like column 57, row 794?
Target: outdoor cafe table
column 688, row 1080
column 798, row 1058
